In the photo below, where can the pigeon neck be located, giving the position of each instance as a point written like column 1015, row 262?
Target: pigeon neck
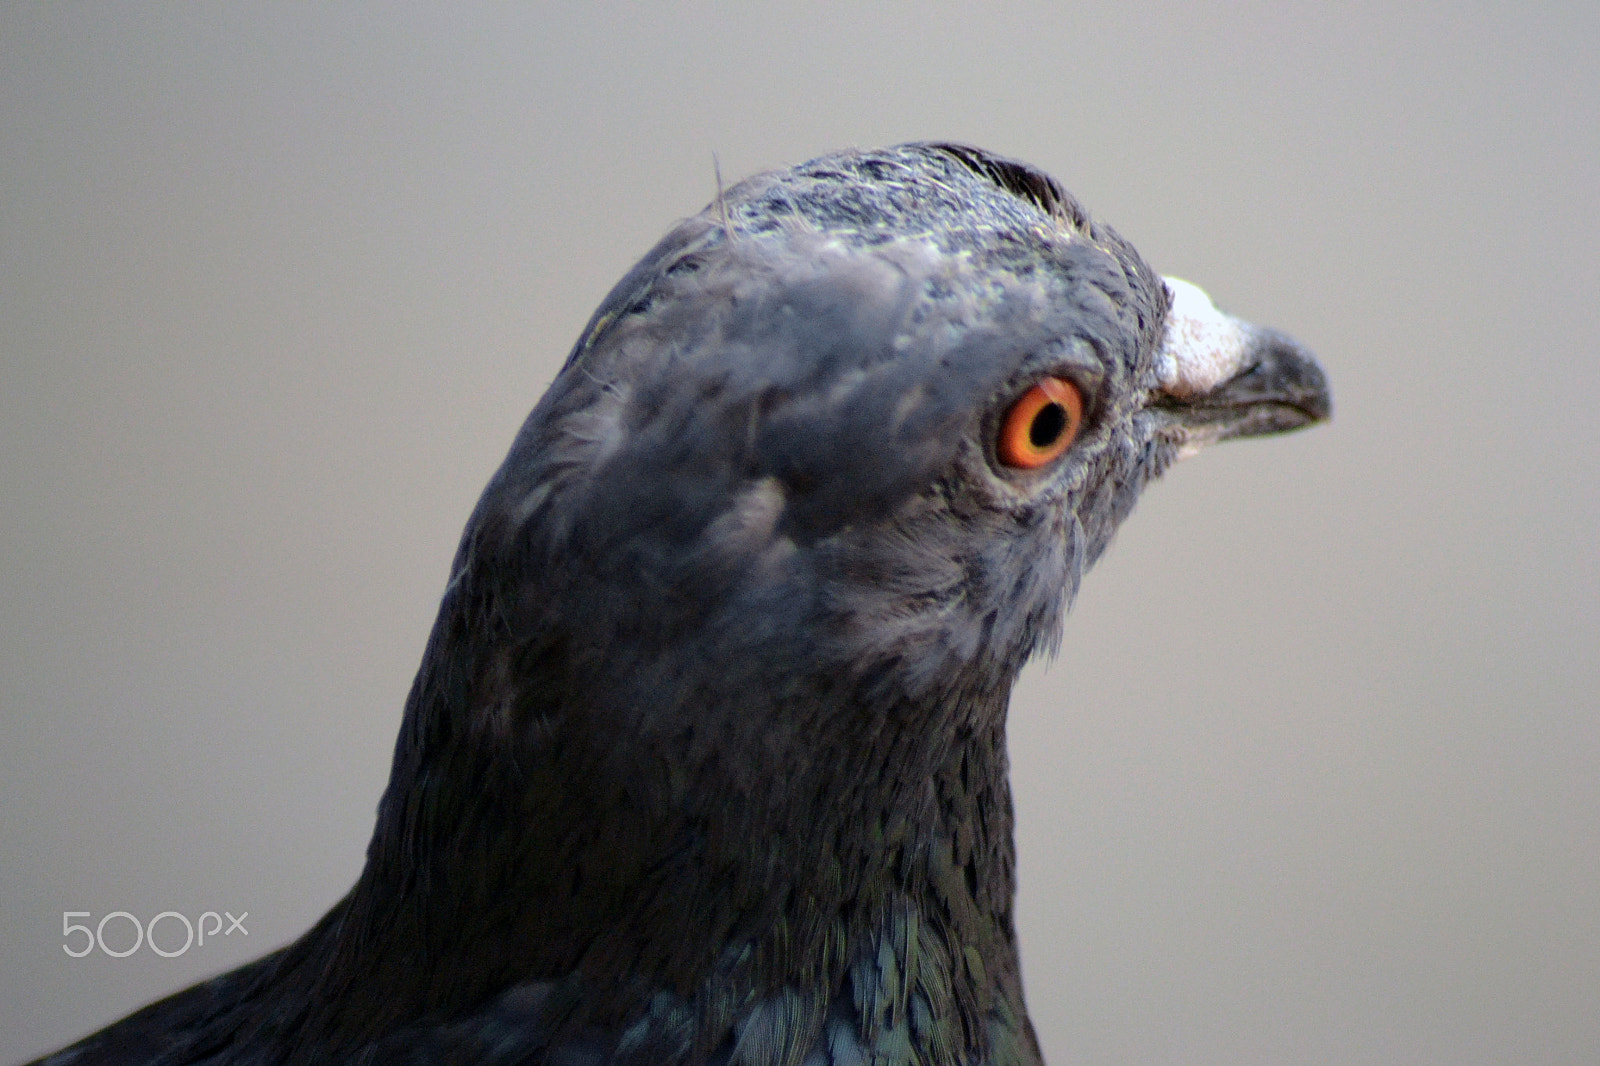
column 942, row 973
column 865, row 894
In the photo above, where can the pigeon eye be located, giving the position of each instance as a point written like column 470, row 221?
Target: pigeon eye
column 1041, row 423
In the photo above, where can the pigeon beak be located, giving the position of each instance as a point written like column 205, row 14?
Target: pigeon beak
column 1220, row 377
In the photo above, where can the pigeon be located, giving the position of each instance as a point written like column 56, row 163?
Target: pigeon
column 705, row 761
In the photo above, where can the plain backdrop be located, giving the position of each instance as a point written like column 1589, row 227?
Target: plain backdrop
column 1316, row 775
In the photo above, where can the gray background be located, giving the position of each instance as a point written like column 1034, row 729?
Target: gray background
column 1316, row 777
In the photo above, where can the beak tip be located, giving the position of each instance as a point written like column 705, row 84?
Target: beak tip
column 1293, row 374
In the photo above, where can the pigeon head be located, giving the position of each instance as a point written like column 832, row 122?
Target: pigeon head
column 780, row 445
column 705, row 762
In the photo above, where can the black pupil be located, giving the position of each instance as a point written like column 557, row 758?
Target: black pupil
column 1048, row 425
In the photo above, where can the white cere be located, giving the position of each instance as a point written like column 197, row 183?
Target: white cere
column 1202, row 346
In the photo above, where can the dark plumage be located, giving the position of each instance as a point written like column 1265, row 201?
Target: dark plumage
column 705, row 761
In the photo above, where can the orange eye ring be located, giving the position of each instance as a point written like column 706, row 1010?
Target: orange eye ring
column 1041, row 424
